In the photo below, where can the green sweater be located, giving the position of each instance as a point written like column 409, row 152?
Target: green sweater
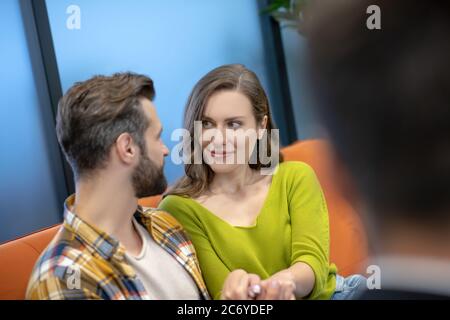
column 291, row 227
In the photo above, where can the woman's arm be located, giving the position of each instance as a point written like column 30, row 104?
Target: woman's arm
column 310, row 231
column 309, row 268
column 295, row 282
column 303, row 277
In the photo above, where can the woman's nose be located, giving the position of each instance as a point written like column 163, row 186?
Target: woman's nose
column 218, row 136
column 165, row 151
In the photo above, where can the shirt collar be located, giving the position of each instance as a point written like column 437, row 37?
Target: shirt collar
column 107, row 246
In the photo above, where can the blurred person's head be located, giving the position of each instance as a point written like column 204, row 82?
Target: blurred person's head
column 108, row 125
column 233, row 111
column 384, row 96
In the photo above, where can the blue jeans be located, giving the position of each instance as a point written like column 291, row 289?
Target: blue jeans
column 348, row 288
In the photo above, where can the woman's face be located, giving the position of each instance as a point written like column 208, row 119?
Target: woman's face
column 229, row 131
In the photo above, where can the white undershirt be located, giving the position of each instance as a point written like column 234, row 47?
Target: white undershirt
column 163, row 277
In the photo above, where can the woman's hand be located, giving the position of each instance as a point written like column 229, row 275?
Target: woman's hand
column 283, row 285
column 295, row 282
column 238, row 285
column 280, row 286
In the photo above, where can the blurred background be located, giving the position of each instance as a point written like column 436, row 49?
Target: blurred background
column 46, row 46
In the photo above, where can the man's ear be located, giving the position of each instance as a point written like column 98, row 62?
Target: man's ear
column 126, row 149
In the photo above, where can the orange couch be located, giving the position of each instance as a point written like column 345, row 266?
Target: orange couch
column 348, row 241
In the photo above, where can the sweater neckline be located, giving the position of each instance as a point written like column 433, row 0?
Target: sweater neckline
column 266, row 203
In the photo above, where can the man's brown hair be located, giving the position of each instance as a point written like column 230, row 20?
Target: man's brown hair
column 93, row 113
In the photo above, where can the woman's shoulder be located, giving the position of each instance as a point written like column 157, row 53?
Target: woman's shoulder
column 175, row 204
column 174, row 198
column 294, row 168
column 296, row 173
column 299, row 178
column 183, row 209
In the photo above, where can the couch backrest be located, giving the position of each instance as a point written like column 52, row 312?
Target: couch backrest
column 17, row 259
column 348, row 242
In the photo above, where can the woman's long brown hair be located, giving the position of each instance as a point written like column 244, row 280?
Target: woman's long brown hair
column 237, row 77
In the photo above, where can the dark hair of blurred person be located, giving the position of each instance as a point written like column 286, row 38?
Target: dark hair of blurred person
column 384, row 98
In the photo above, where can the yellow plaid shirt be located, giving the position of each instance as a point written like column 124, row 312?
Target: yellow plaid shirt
column 82, row 262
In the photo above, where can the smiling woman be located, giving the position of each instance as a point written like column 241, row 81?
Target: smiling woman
column 220, row 132
column 225, row 100
column 230, row 210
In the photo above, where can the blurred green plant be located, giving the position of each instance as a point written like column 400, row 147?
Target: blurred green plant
column 289, row 13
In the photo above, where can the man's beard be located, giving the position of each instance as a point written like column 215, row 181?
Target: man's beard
column 148, row 180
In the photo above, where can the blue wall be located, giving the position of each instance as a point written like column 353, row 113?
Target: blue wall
column 28, row 174
column 174, row 42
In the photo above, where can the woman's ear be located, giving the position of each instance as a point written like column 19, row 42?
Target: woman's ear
column 263, row 125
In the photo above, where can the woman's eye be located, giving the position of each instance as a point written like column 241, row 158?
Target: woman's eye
column 234, row 124
column 206, row 124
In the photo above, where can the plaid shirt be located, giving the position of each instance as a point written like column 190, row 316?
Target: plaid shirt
column 82, row 262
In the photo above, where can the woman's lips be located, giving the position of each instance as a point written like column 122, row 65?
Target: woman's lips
column 223, row 154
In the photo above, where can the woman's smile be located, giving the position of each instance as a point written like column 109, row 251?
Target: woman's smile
column 221, row 154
